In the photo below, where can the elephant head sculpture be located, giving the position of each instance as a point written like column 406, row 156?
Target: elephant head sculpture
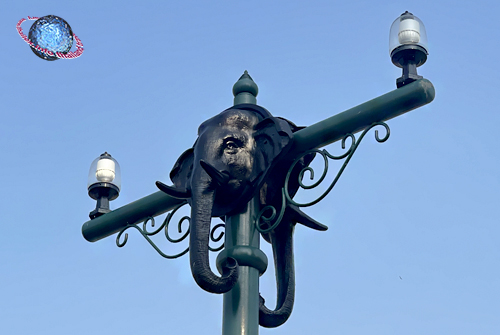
column 240, row 153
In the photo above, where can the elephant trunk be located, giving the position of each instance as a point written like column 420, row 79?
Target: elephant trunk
column 203, row 195
column 282, row 240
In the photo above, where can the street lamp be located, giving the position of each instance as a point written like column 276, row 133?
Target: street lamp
column 408, row 46
column 246, row 167
column 104, row 182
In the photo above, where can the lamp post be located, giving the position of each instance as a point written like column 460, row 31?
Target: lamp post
column 104, row 183
column 246, row 167
column 408, row 46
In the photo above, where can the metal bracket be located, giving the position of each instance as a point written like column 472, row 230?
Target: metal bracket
column 164, row 226
column 263, row 223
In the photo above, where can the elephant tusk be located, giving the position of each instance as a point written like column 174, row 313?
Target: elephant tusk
column 301, row 217
column 220, row 177
column 174, row 192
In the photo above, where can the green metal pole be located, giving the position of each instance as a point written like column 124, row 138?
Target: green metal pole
column 242, row 240
column 240, row 314
column 382, row 108
column 135, row 212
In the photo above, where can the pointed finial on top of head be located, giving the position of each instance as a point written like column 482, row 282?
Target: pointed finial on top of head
column 245, row 90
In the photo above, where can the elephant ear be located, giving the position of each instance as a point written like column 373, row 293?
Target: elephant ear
column 180, row 175
column 275, row 178
column 292, row 125
column 183, row 167
column 273, row 137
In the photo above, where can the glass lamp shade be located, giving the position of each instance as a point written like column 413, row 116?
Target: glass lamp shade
column 104, row 177
column 408, row 33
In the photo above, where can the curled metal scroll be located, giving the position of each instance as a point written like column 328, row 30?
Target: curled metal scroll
column 218, row 238
column 326, row 155
column 164, row 226
column 266, row 224
column 263, row 223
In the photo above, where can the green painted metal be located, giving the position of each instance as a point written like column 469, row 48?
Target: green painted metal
column 240, row 314
column 164, row 227
column 242, row 239
column 382, row 108
column 263, row 223
column 385, row 107
column 135, row 212
column 245, row 90
column 326, row 155
column 245, row 255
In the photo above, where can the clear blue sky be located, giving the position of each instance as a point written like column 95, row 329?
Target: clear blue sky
column 424, row 205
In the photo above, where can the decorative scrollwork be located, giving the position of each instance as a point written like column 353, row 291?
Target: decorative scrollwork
column 263, row 223
column 218, row 238
column 326, row 155
column 164, row 226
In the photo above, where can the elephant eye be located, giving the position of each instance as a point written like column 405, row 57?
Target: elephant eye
column 231, row 144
